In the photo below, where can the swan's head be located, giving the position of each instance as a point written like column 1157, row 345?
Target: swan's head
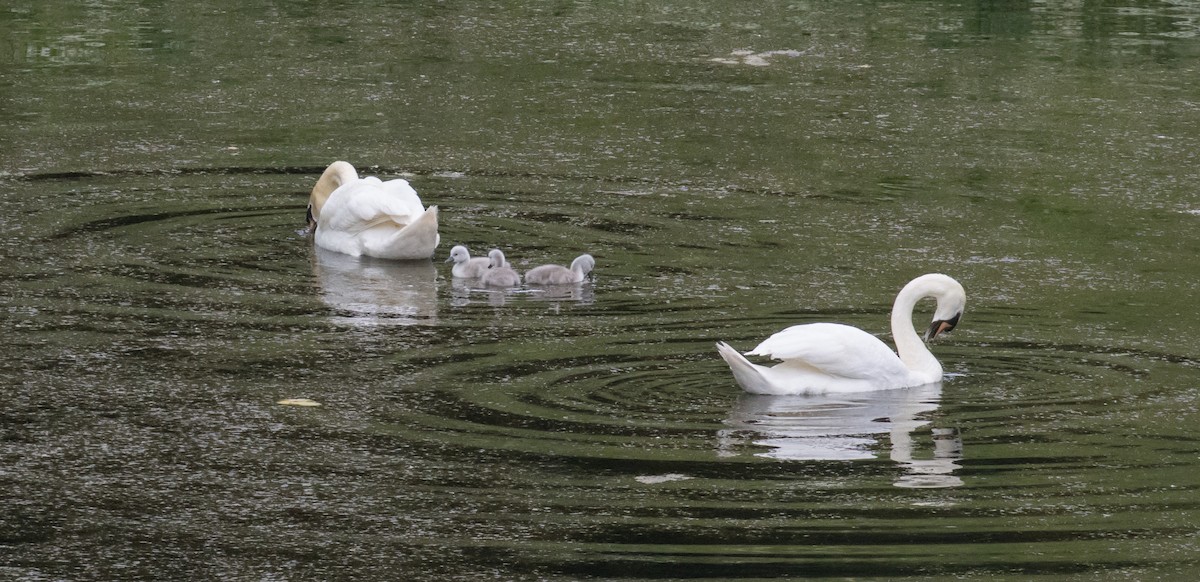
column 335, row 175
column 951, row 302
column 495, row 259
column 459, row 254
column 940, row 326
column 584, row 264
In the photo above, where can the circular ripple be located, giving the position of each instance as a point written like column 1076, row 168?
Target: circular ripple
column 652, row 436
column 592, row 435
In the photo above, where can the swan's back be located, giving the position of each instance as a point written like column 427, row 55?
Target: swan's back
column 835, row 350
column 371, row 203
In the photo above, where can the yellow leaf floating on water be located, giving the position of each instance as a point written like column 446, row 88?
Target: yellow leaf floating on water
column 298, row 402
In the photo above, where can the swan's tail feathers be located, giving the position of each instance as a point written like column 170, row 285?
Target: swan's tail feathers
column 748, row 375
column 437, row 238
column 422, row 234
column 416, row 240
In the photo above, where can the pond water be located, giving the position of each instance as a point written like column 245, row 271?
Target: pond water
column 734, row 169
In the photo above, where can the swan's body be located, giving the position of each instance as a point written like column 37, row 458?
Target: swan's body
column 560, row 275
column 367, row 216
column 831, row 357
column 467, row 267
column 498, row 274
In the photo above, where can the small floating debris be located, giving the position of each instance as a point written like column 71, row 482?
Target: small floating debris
column 656, row 479
column 298, row 402
column 746, row 57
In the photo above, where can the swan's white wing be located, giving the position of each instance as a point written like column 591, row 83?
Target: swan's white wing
column 401, row 194
column 833, row 349
column 367, row 203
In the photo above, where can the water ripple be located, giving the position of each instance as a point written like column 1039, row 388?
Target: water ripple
column 592, row 433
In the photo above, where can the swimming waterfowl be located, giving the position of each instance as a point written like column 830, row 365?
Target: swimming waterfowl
column 367, row 216
column 498, row 274
column 560, row 275
column 466, row 266
column 831, row 357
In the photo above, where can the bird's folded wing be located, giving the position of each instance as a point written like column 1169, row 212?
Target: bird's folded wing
column 369, row 203
column 831, row 348
column 402, row 196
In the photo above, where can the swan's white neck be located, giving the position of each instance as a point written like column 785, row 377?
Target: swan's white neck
column 335, row 175
column 909, row 346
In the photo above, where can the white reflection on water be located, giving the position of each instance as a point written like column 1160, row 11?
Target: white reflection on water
column 848, row 427
column 759, row 59
column 370, row 292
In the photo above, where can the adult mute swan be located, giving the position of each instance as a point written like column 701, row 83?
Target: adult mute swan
column 560, row 275
column 499, row 274
column 367, row 216
column 831, row 357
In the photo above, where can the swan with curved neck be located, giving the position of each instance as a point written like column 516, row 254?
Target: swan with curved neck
column 580, row 268
column 367, row 216
column 337, row 174
column 831, row 357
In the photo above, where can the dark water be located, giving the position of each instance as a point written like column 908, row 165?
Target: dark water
column 733, row 168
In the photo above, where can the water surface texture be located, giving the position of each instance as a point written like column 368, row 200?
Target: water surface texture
column 734, row 167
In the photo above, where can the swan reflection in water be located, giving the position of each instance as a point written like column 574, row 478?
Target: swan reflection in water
column 369, row 292
column 847, row 427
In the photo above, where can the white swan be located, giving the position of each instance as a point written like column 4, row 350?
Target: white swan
column 498, row 273
column 830, row 357
column 370, row 217
column 560, row 275
column 466, row 267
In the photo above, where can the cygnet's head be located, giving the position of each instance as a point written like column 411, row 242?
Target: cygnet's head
column 459, row 254
column 495, row 259
column 584, row 264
